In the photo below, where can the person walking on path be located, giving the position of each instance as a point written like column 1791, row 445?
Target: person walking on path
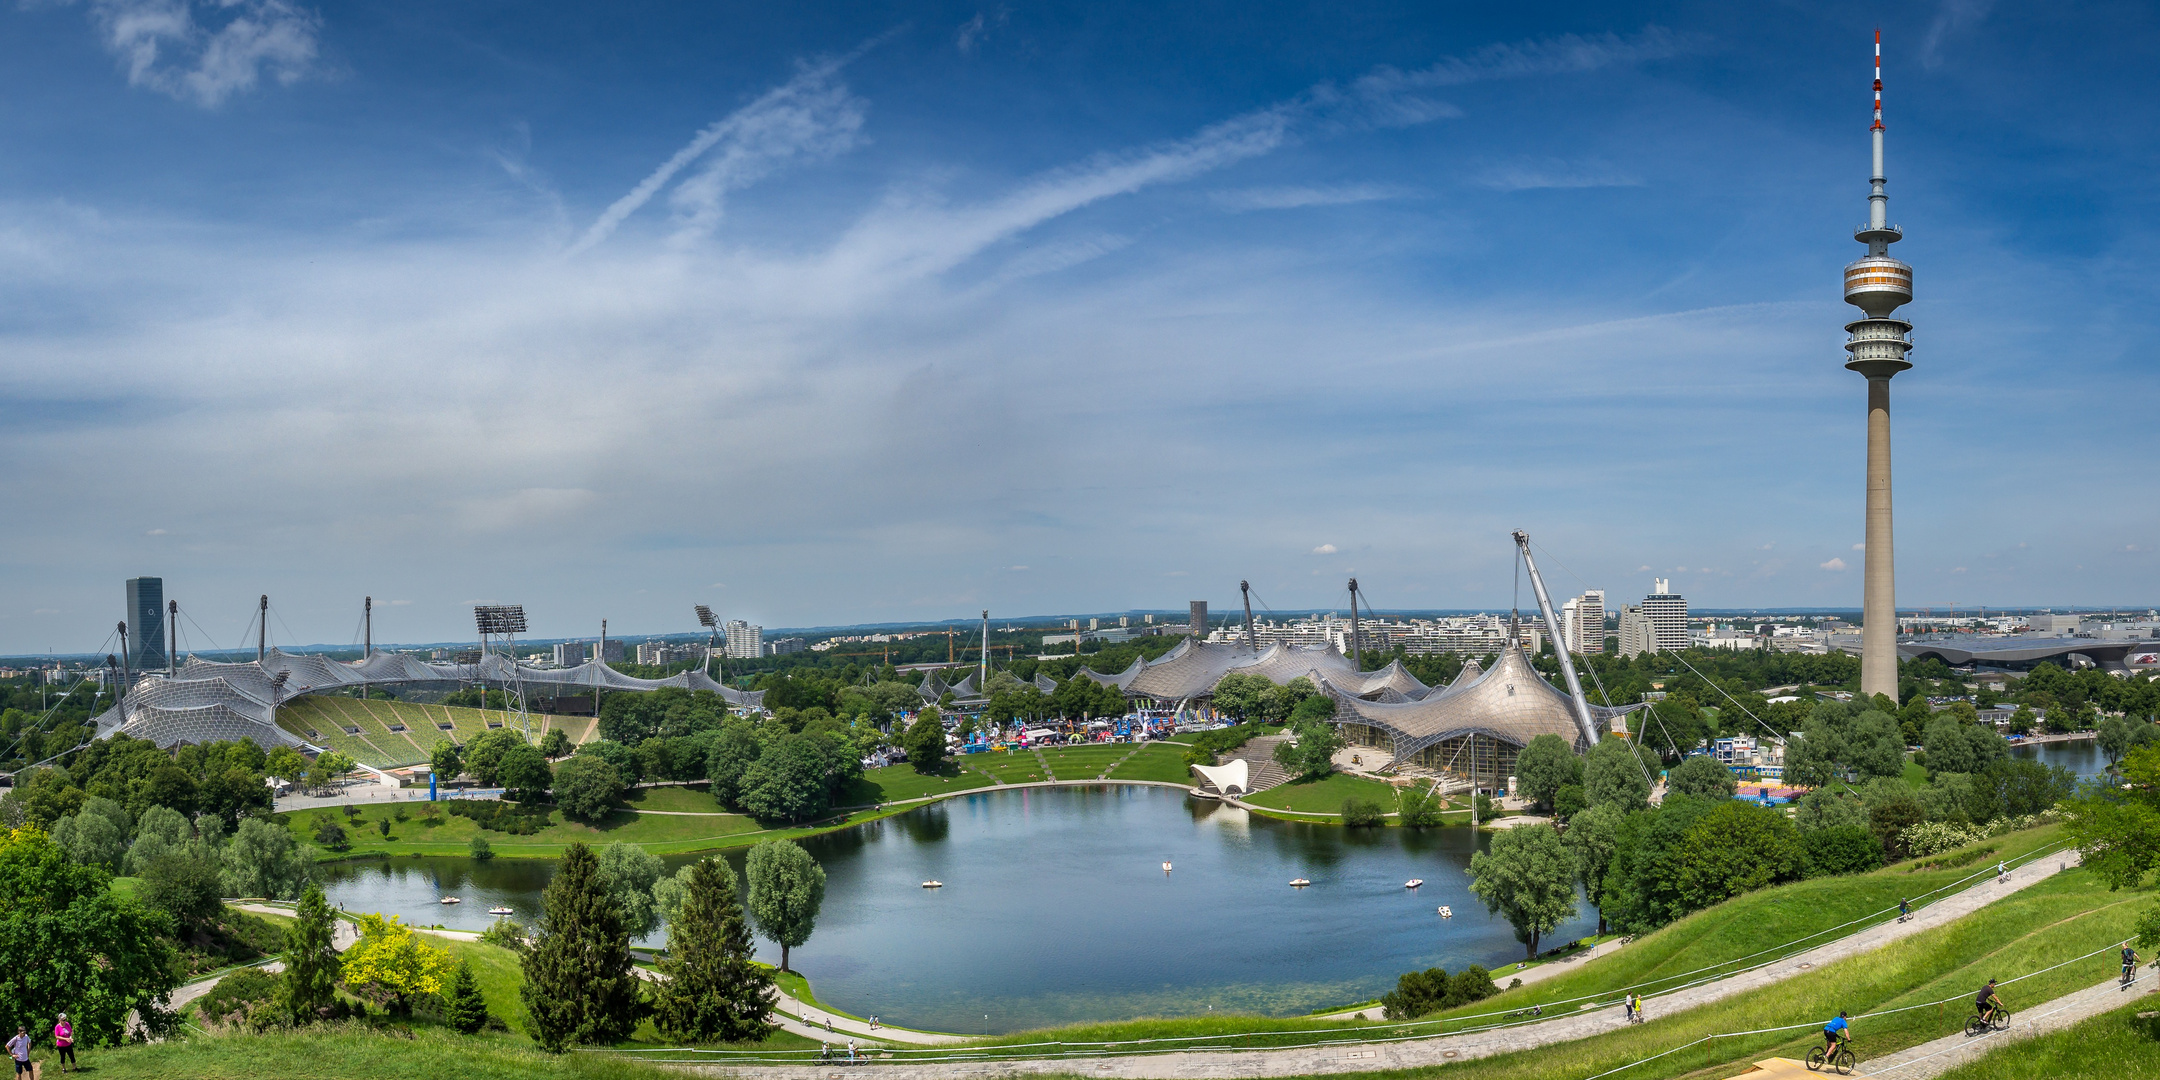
column 19, row 1046
column 63, row 1037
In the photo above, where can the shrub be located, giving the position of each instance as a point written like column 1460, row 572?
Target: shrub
column 497, row 816
column 479, row 848
column 1417, row 808
column 1358, row 813
column 1419, row 992
column 1215, row 741
column 506, row 933
column 229, row 1000
column 1935, row 837
column 1841, row 849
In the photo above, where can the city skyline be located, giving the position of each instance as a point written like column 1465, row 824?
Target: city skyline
column 851, row 320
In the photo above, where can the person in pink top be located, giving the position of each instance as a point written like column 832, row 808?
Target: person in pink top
column 63, row 1037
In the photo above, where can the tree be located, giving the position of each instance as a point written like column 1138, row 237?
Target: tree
column 791, row 780
column 463, row 1009
column 484, row 755
column 46, row 796
column 447, row 761
column 160, row 831
column 1702, row 776
column 1545, row 766
column 1311, row 754
column 579, row 984
column 733, row 751
column 713, row 989
column 1593, row 837
column 1836, row 742
column 628, row 872
column 327, row 767
column 1570, row 801
column 185, row 888
column 1527, row 878
column 586, row 787
column 624, row 758
column 524, row 773
column 555, row 743
column 1737, row 847
column 391, row 967
column 312, row 964
column 1417, row 807
column 1954, row 747
column 1617, row 772
column 70, row 944
column 1642, row 887
column 262, row 860
column 925, row 742
column 91, row 840
column 786, row 888
column 480, row 849
column 285, row 763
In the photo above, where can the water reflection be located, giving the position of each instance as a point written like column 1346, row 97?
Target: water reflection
column 1056, row 909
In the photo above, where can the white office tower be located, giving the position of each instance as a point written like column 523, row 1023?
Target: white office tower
column 744, row 641
column 1636, row 634
column 1878, row 285
column 572, row 653
column 1583, row 619
column 1666, row 612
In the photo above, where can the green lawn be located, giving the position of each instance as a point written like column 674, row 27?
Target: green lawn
column 1156, row 761
column 2110, row 1046
column 451, row 835
column 358, row 1054
column 1915, row 776
column 894, row 783
column 1326, row 795
column 681, row 800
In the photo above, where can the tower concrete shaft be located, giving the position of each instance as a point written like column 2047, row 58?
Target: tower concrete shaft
column 1878, row 285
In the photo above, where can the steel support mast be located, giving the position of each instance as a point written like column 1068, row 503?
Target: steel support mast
column 1583, row 722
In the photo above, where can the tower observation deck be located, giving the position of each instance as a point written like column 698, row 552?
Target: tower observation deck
column 1876, row 346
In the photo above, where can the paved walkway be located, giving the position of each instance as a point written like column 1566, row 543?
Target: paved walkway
column 1931, row 1059
column 1347, row 1057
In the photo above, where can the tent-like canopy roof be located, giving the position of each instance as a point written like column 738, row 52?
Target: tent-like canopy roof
column 1511, row 702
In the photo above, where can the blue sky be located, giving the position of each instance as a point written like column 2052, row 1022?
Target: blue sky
column 900, row 311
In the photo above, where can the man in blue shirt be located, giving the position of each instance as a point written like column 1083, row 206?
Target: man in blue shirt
column 1835, row 1033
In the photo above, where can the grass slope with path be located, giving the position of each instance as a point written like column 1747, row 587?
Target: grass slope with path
column 2112, row 1046
column 1161, row 762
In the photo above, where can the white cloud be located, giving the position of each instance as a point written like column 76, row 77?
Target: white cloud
column 1859, row 547
column 1324, row 549
column 811, row 116
column 400, row 603
column 1952, row 16
column 1016, row 568
column 1768, row 546
column 975, row 30
column 1296, row 196
column 167, row 48
column 1531, row 175
column 1834, row 564
column 155, row 532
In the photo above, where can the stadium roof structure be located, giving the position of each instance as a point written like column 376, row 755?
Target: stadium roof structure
column 205, row 701
column 1195, row 668
column 1511, row 703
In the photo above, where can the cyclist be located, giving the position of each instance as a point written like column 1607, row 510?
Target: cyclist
column 1904, row 909
column 1988, row 1002
column 2002, row 871
column 1836, row 1033
column 2130, row 962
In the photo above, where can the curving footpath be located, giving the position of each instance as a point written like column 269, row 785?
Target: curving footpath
column 1411, row 1053
column 1931, row 1059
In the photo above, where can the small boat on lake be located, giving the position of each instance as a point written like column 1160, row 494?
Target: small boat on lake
column 1446, row 912
column 1413, row 883
column 1166, row 866
column 452, row 900
column 933, row 884
column 1299, row 883
column 500, row 911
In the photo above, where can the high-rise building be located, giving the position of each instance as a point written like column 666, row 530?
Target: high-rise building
column 146, row 623
column 1878, row 285
column 1582, row 618
column 1637, row 636
column 744, row 641
column 1666, row 612
column 1198, row 610
column 572, row 653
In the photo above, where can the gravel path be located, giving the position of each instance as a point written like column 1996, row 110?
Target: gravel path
column 1931, row 1059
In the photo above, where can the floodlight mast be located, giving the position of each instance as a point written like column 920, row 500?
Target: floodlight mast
column 1245, row 590
column 504, row 621
column 1583, row 722
column 711, row 623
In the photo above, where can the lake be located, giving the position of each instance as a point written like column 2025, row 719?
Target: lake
column 2080, row 756
column 1056, row 910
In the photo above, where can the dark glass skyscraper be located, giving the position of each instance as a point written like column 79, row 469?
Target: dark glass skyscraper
column 146, row 623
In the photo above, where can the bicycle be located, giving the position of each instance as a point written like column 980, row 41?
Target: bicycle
column 1840, row 1059
column 1977, row 1024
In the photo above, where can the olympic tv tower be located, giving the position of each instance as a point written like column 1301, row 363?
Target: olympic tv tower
column 1878, row 285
